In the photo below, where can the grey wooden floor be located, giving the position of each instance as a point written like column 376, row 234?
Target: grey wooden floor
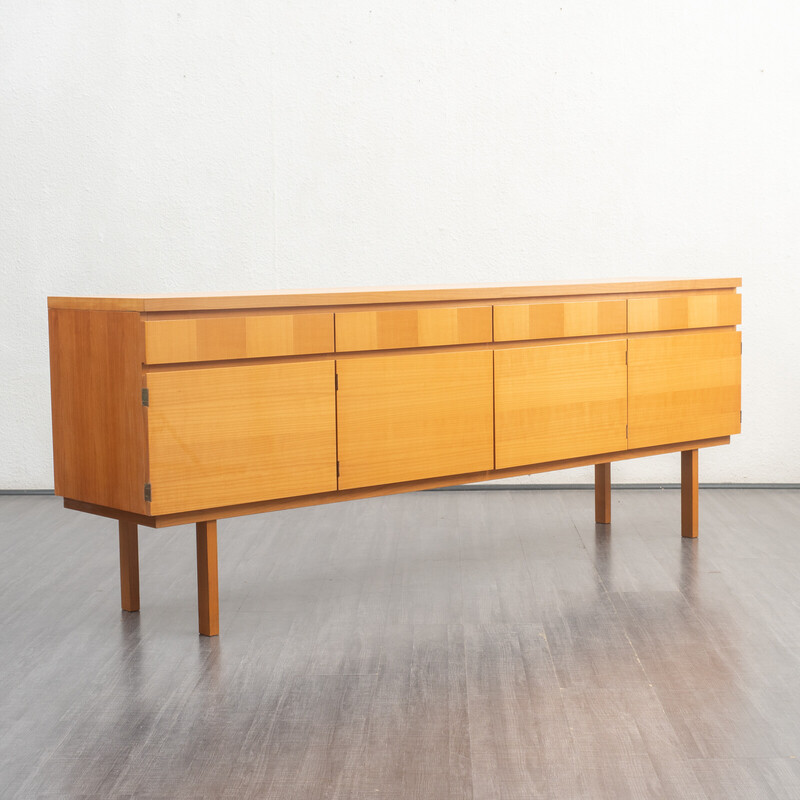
column 435, row 645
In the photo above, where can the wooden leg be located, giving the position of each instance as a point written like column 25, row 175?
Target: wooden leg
column 129, row 564
column 689, row 494
column 207, row 578
column 602, row 493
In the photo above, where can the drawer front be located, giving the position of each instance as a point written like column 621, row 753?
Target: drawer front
column 229, row 435
column 175, row 341
column 684, row 311
column 412, row 327
column 554, row 320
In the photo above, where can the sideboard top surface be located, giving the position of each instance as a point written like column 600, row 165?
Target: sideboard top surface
column 409, row 294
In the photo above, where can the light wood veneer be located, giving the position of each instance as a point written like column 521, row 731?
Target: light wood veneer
column 412, row 327
column 238, row 434
column 683, row 387
column 684, row 311
column 402, row 418
column 169, row 410
column 557, row 320
column 171, row 341
column 559, row 401
column 99, row 427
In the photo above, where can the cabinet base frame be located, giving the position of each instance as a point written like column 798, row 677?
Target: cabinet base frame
column 191, row 517
column 207, row 579
column 129, row 564
column 690, row 501
column 602, row 493
column 206, row 521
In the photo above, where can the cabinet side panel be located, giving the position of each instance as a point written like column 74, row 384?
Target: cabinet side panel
column 99, row 441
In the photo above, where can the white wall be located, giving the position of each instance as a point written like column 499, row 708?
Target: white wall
column 188, row 146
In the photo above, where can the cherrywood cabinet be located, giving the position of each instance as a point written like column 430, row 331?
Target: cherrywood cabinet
column 176, row 409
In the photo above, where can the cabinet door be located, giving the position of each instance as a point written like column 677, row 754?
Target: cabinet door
column 682, row 388
column 559, row 401
column 407, row 417
column 231, row 435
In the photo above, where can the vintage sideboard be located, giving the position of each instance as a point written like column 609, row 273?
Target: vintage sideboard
column 189, row 409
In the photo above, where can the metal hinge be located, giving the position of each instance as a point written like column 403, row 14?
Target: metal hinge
column 145, row 397
column 740, row 415
column 626, row 431
column 147, row 493
column 626, row 356
column 336, row 380
column 337, row 469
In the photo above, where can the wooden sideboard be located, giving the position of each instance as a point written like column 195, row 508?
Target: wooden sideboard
column 189, row 409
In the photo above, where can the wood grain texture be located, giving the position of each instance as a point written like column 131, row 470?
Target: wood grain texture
column 412, row 327
column 240, row 434
column 281, row 504
column 207, row 578
column 99, row 439
column 554, row 320
column 684, row 311
column 407, row 417
column 170, row 341
column 559, row 401
column 602, row 493
column 690, row 496
column 129, row 564
column 409, row 294
column 683, row 387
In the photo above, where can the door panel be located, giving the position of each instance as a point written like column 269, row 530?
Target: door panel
column 408, row 417
column 559, row 401
column 231, row 435
column 682, row 388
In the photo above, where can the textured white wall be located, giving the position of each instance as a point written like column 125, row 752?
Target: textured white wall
column 188, row 146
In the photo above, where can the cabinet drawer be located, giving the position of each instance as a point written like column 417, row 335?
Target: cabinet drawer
column 175, row 341
column 518, row 321
column 412, row 327
column 684, row 311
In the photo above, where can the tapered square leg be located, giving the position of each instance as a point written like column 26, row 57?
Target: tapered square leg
column 207, row 578
column 689, row 494
column 129, row 564
column 602, row 493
